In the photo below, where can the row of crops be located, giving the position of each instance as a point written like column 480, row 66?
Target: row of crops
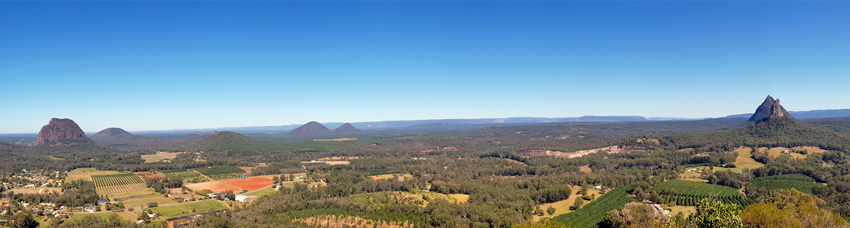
column 221, row 171
column 697, row 189
column 117, row 184
column 116, row 179
column 689, row 193
column 187, row 176
column 800, row 182
column 110, row 191
column 594, row 212
column 694, row 200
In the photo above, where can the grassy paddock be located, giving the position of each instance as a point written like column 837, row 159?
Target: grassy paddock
column 186, row 208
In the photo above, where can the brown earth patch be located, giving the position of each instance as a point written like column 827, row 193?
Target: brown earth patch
column 250, row 184
column 215, row 186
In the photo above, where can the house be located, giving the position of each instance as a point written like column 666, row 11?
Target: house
column 244, row 198
column 214, row 194
column 598, row 187
column 89, row 209
column 139, row 222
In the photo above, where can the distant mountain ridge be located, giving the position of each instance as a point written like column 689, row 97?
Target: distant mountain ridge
column 119, row 138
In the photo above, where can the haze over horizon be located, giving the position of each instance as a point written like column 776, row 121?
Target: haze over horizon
column 195, row 65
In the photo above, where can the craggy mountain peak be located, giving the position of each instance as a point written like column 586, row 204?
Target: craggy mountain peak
column 58, row 130
column 110, row 132
column 346, row 128
column 311, row 128
column 769, row 109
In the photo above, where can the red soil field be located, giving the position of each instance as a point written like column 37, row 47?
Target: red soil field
column 214, row 186
column 251, row 184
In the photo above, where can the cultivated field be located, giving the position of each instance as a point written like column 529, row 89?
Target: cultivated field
column 215, row 186
column 799, row 182
column 142, row 201
column 220, row 171
column 182, row 209
column 189, row 176
column 340, row 221
column 594, row 212
column 687, row 193
column 250, row 184
column 117, row 184
column 86, row 173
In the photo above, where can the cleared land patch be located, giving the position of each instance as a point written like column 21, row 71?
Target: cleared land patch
column 250, row 184
column 461, row 198
column 182, row 209
column 335, row 140
column 745, row 159
column 39, row 190
column 159, row 156
column 585, row 169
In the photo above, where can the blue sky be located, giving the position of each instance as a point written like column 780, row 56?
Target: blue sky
column 181, row 65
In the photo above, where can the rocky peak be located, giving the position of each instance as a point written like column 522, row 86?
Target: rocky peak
column 59, row 129
column 769, row 109
column 346, row 128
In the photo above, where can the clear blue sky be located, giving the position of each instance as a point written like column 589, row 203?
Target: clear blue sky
column 178, row 65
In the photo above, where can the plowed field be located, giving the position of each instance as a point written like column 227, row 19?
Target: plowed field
column 251, row 184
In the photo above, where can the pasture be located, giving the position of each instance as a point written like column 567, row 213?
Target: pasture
column 563, row 206
column 190, row 208
column 160, row 156
column 745, row 160
column 142, row 201
column 263, row 192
